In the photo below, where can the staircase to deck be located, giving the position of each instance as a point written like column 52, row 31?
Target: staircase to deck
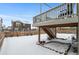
column 50, row 32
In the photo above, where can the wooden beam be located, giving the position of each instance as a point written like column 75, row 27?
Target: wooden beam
column 62, row 25
column 49, row 32
column 78, row 25
column 55, row 31
column 77, row 32
column 39, row 34
column 78, row 37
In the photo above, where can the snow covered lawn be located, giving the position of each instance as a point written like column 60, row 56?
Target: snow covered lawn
column 26, row 45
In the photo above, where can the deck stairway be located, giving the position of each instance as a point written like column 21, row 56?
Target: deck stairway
column 50, row 32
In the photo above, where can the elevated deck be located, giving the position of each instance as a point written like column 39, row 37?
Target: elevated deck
column 63, row 15
column 59, row 23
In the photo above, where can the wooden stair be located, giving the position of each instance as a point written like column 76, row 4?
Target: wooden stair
column 49, row 32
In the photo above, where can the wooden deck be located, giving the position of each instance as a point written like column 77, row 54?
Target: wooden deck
column 69, row 22
column 57, row 17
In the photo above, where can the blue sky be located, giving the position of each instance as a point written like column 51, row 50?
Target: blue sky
column 21, row 11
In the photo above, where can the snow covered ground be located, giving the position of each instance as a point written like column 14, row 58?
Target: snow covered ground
column 26, row 45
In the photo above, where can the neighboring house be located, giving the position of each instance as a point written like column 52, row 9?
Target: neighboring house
column 1, row 24
column 20, row 26
column 9, row 28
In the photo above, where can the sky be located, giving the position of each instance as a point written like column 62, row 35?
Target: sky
column 21, row 11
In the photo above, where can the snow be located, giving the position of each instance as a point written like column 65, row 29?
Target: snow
column 26, row 45
column 58, row 46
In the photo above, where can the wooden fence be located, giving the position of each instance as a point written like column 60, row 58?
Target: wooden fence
column 11, row 34
column 34, row 32
column 2, row 36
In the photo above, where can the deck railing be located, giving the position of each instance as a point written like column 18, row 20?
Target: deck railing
column 62, row 11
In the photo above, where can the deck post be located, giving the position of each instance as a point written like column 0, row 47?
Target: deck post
column 77, row 32
column 55, row 32
column 39, row 34
column 78, row 25
column 77, row 38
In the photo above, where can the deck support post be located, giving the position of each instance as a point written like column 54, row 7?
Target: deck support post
column 77, row 38
column 55, row 32
column 78, row 26
column 77, row 32
column 78, row 35
column 39, row 34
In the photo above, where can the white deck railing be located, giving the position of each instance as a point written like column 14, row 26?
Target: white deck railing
column 63, row 11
